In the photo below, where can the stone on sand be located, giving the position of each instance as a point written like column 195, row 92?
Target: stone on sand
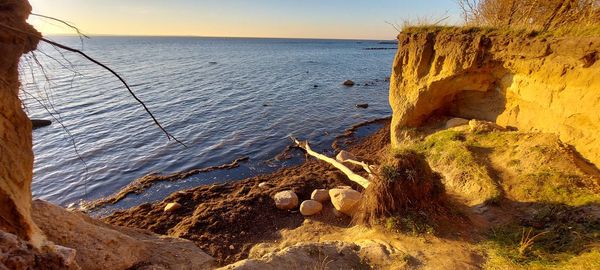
column 171, row 207
column 455, row 122
column 320, row 195
column 286, row 200
column 345, row 200
column 344, row 155
column 264, row 185
column 310, row 207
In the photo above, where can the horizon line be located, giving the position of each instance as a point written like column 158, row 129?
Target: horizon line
column 198, row 36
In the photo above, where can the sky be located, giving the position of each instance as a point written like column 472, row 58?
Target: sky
column 337, row 19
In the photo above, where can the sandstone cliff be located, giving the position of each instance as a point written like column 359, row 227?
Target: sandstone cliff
column 532, row 83
column 16, row 155
column 103, row 246
column 86, row 243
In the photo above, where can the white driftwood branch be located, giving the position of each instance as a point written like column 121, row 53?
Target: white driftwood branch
column 351, row 175
column 344, row 156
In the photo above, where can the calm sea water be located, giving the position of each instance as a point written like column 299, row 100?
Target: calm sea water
column 225, row 98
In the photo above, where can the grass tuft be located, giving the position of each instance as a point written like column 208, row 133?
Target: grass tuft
column 552, row 236
column 449, row 151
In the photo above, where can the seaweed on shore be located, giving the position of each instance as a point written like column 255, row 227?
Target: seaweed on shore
column 141, row 184
column 346, row 137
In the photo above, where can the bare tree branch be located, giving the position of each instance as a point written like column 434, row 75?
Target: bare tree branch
column 63, row 22
column 67, row 48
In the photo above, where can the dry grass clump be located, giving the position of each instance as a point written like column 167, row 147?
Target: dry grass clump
column 422, row 22
column 404, row 184
column 539, row 15
column 553, row 236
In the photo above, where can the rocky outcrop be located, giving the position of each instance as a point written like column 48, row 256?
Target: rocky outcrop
column 326, row 255
column 16, row 156
column 103, row 246
column 532, row 83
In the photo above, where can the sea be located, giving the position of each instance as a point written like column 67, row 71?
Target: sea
column 224, row 98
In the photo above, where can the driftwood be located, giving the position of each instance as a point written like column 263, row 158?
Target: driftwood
column 349, row 173
column 344, row 157
column 404, row 185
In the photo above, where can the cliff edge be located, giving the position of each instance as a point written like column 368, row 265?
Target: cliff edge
column 531, row 83
column 86, row 243
column 16, row 155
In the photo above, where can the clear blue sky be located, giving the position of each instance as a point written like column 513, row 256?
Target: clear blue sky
column 240, row 18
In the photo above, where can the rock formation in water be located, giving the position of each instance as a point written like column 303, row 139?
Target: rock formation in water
column 532, row 83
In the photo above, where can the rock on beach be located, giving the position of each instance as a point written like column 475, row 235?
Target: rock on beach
column 345, row 200
column 310, row 207
column 286, row 200
column 320, row 195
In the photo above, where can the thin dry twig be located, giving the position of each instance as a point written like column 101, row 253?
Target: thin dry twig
column 79, row 33
column 527, row 240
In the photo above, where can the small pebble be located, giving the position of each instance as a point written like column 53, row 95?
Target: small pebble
column 263, row 185
column 171, row 207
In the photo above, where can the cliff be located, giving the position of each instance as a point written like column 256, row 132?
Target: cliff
column 67, row 240
column 16, row 155
column 531, row 83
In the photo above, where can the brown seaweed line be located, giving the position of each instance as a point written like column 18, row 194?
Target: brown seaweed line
column 351, row 130
column 143, row 183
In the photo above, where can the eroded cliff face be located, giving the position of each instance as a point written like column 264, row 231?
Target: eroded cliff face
column 68, row 240
column 530, row 83
column 16, row 156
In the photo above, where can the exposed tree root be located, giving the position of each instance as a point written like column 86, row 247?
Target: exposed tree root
column 405, row 184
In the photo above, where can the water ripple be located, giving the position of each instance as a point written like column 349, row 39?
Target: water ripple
column 259, row 92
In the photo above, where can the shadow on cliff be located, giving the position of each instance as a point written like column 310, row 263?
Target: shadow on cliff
column 486, row 103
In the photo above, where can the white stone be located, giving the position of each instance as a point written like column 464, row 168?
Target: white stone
column 172, row 207
column 345, row 200
column 344, row 155
column 455, row 122
column 286, row 200
column 320, row 195
column 310, row 207
column 264, row 185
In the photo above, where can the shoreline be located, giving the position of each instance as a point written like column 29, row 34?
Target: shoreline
column 144, row 183
column 227, row 220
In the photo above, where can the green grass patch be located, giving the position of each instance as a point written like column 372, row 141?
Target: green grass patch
column 547, row 185
column 412, row 223
column 449, row 151
column 552, row 235
column 589, row 30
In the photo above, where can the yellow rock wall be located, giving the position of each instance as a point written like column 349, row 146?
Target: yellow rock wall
column 16, row 156
column 545, row 84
